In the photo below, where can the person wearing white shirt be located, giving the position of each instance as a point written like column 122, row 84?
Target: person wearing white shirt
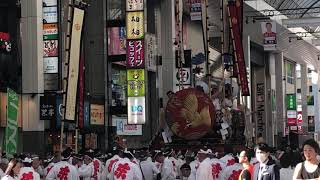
column 148, row 168
column 36, row 164
column 166, row 167
column 63, row 169
column 12, row 170
column 91, row 169
column 194, row 165
column 125, row 169
column 118, row 154
column 204, row 171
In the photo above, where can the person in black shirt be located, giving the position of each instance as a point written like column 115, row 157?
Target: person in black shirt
column 247, row 172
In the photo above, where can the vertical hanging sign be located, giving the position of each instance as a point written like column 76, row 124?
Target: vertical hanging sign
column 12, row 123
column 135, row 62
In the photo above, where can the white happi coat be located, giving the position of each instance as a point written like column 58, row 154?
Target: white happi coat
column 167, row 170
column 92, row 171
column 194, row 165
column 63, row 171
column 204, row 171
column 124, row 169
column 148, row 169
column 231, row 172
column 109, row 165
column 228, row 159
column 48, row 169
column 1, row 173
column 7, row 177
column 217, row 167
column 28, row 172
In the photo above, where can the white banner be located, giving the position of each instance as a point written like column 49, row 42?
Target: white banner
column 136, row 110
column 269, row 33
column 124, row 129
column 71, row 98
column 135, row 5
column 50, row 65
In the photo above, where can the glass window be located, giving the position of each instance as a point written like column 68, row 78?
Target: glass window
column 290, row 69
column 119, row 84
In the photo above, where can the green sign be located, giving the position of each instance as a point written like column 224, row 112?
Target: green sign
column 136, row 85
column 291, row 102
column 11, row 136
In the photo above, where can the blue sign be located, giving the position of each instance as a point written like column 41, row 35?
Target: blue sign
column 59, row 113
column 86, row 114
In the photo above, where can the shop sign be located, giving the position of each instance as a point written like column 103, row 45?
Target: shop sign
column 50, row 48
column 51, row 82
column 135, row 25
column 260, row 108
column 11, row 133
column 49, row 3
column 47, row 107
column 299, row 117
column 182, row 76
column 136, row 82
column 135, row 5
column 125, row 129
column 292, row 117
column 135, row 54
column 116, row 40
column 59, row 109
column 291, row 102
column 136, row 110
column 50, row 31
column 71, row 100
column 235, row 32
column 50, row 14
column 5, row 44
column 150, row 41
column 3, row 109
column 86, row 114
column 195, row 10
column 96, row 114
column 269, row 33
column 50, row 65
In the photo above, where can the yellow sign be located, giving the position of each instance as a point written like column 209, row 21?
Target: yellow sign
column 96, row 114
column 135, row 25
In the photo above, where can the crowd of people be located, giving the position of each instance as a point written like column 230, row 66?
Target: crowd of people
column 260, row 163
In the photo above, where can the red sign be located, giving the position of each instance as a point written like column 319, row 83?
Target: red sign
column 135, row 54
column 81, row 91
column 190, row 114
column 235, row 23
column 292, row 117
column 299, row 117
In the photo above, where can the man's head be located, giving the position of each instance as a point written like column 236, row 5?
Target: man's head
column 159, row 157
column 185, row 170
column 269, row 27
column 244, row 157
column 262, row 151
column 35, row 161
column 203, row 154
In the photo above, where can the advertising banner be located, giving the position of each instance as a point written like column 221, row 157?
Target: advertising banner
column 150, row 42
column 311, row 124
column 50, row 65
column 237, row 43
column 81, row 91
column 135, row 25
column 86, row 115
column 269, row 32
column 50, row 14
column 3, row 110
column 195, row 10
column 71, row 100
column 116, row 40
column 96, row 114
column 136, row 110
column 135, row 54
column 134, row 5
column 5, row 43
column 59, row 109
column 50, row 48
column 136, row 83
column 50, row 31
column 47, row 107
column 11, row 136
column 49, row 3
column 124, row 129
column 51, row 82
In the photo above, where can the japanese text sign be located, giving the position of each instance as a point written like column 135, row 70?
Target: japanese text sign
column 135, row 54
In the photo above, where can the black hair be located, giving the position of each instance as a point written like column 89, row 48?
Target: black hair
column 128, row 155
column 263, row 147
column 247, row 154
column 169, row 92
column 313, row 144
column 185, row 166
column 268, row 23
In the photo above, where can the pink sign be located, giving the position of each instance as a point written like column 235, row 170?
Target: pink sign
column 135, row 54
